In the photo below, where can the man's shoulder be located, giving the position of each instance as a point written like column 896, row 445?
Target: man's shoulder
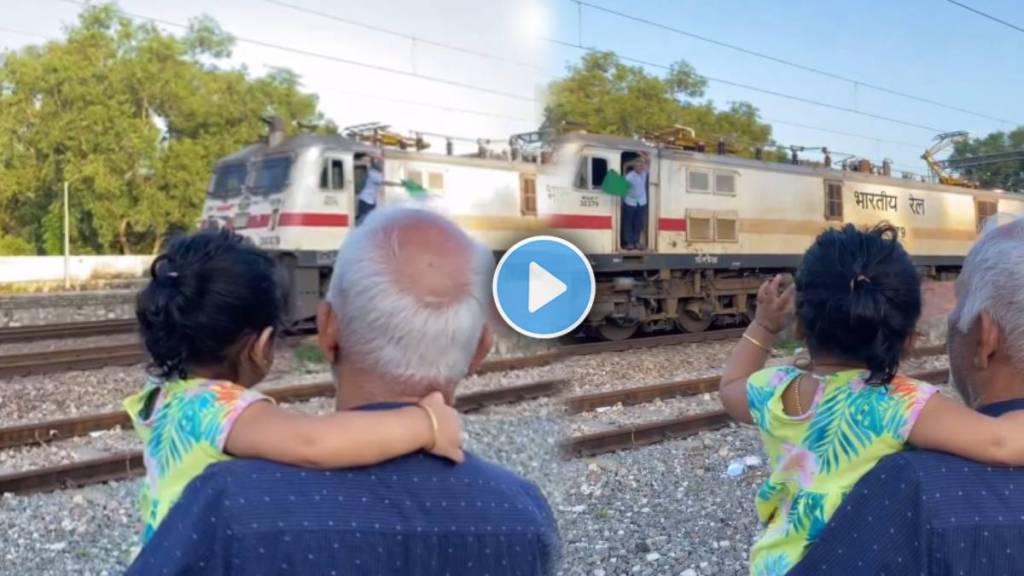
column 414, row 476
column 929, row 466
column 474, row 466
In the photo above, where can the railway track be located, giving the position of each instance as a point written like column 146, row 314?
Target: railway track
column 129, row 464
column 55, row 361
column 645, row 434
column 69, row 330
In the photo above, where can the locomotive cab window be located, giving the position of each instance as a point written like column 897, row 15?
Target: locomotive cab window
column 834, row 201
column 332, row 176
column 698, row 181
column 271, row 175
column 228, row 181
column 983, row 209
column 591, row 172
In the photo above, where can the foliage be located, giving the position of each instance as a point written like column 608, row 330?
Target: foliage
column 1006, row 175
column 603, row 95
column 133, row 118
column 11, row 246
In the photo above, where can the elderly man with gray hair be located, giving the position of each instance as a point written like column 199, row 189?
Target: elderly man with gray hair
column 925, row 512
column 407, row 313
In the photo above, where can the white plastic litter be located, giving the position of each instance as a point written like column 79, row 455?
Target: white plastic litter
column 736, row 469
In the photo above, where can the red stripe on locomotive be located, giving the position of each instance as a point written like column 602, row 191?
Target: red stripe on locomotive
column 672, row 224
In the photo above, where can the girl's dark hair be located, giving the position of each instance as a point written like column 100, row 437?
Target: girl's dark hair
column 208, row 291
column 859, row 297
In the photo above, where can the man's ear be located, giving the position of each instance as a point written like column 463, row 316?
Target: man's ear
column 483, row 348
column 988, row 340
column 327, row 333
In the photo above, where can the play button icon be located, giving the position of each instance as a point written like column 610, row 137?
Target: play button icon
column 544, row 287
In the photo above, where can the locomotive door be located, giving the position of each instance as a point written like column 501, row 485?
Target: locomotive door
column 333, row 184
column 646, row 234
column 590, row 199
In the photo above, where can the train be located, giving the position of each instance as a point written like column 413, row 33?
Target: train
column 717, row 223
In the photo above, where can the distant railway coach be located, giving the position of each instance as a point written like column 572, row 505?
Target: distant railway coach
column 716, row 223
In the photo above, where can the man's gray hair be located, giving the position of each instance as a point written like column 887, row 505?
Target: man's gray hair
column 393, row 333
column 992, row 280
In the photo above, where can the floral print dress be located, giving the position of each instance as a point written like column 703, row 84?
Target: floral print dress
column 183, row 432
column 817, row 457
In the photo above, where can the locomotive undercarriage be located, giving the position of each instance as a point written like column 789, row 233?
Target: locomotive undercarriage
column 686, row 300
column 625, row 303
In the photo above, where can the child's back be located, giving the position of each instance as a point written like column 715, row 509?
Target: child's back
column 819, row 455
column 858, row 298
column 208, row 319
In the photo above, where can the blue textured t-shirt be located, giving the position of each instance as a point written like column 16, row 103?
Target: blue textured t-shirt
column 927, row 513
column 415, row 515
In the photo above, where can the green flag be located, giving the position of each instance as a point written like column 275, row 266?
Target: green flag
column 615, row 184
column 413, row 188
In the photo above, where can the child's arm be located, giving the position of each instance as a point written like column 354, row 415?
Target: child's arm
column 345, row 439
column 948, row 426
column 747, row 357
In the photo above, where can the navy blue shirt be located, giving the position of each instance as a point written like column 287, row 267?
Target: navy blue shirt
column 927, row 513
column 415, row 515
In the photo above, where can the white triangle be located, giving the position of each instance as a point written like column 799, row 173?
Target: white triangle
column 544, row 287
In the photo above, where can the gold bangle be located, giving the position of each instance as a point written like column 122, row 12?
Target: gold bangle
column 433, row 424
column 756, row 343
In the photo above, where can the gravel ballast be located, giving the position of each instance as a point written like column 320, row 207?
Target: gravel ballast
column 92, row 531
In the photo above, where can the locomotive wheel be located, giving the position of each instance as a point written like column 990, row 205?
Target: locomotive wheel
column 615, row 332
column 687, row 322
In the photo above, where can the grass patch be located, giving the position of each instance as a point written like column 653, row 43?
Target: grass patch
column 308, row 353
column 788, row 346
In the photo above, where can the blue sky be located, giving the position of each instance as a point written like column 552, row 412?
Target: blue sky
column 928, row 48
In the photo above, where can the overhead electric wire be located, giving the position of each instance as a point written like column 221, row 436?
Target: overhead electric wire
column 411, row 37
column 330, row 57
column 443, row 107
column 26, row 34
column 841, row 133
column 986, row 15
column 761, row 90
column 797, row 65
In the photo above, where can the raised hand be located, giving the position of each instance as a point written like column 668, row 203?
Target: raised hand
column 775, row 307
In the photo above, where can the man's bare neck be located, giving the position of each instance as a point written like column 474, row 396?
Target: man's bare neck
column 357, row 388
column 1002, row 384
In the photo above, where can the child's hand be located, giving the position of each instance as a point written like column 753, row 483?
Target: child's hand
column 774, row 310
column 448, row 441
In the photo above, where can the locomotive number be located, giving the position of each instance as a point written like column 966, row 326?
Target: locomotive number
column 270, row 241
column 330, row 200
column 589, row 201
column 903, row 232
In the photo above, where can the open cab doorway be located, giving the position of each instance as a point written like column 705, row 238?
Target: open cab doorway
column 635, row 207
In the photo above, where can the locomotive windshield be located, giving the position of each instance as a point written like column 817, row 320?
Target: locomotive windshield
column 228, row 181
column 271, row 175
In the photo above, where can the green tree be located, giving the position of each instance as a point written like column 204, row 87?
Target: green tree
column 601, row 94
column 133, row 118
column 1008, row 175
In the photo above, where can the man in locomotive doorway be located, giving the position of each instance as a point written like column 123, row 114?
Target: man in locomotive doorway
column 369, row 195
column 634, row 205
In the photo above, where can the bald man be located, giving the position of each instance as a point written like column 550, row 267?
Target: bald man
column 406, row 314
